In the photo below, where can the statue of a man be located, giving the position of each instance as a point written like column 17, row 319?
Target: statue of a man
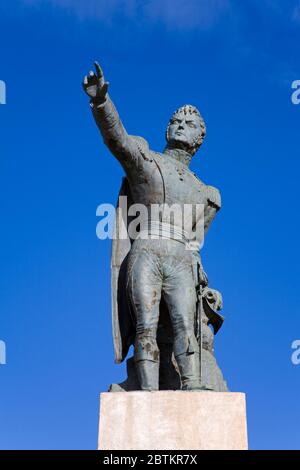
column 161, row 275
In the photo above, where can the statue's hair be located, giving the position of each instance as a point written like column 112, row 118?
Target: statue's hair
column 190, row 109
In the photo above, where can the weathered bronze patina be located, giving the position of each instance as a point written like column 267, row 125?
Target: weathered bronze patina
column 161, row 300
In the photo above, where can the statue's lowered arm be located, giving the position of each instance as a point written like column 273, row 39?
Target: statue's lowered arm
column 212, row 206
column 121, row 144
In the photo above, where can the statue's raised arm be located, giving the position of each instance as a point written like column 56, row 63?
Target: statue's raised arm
column 107, row 118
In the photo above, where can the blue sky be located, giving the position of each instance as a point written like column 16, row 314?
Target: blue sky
column 235, row 61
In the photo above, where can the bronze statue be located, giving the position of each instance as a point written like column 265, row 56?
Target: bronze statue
column 161, row 300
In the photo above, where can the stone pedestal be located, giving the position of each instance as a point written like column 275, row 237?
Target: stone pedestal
column 172, row 420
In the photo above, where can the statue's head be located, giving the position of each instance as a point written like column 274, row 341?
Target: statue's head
column 186, row 129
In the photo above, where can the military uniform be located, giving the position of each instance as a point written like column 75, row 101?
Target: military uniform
column 160, row 269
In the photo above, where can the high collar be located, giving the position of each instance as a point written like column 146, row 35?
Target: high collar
column 179, row 154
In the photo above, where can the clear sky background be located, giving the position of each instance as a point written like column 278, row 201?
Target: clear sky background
column 235, row 60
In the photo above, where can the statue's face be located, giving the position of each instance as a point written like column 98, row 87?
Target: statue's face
column 184, row 130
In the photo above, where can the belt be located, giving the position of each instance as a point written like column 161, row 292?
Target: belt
column 163, row 230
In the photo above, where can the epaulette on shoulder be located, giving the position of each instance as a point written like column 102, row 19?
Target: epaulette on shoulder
column 213, row 196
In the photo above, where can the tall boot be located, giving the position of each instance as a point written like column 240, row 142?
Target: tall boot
column 189, row 367
column 148, row 374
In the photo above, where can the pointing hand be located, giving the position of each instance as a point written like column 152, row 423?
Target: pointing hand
column 95, row 85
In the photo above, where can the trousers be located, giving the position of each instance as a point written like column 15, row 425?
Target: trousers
column 162, row 268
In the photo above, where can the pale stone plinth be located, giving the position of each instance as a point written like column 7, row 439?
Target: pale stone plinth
column 169, row 420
